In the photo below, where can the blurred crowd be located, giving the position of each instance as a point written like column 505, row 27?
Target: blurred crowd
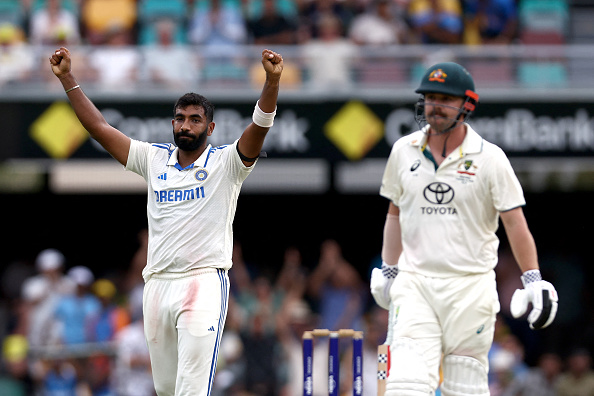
column 139, row 35
column 68, row 330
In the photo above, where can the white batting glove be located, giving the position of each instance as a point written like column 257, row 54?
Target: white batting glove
column 381, row 282
column 543, row 297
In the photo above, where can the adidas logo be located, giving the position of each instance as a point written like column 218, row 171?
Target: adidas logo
column 162, row 176
column 211, row 328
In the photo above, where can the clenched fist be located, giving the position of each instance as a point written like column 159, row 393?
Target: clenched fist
column 60, row 61
column 273, row 63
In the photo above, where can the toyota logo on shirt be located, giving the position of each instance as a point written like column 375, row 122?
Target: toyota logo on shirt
column 439, row 193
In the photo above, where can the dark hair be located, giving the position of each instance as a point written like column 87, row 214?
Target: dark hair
column 194, row 99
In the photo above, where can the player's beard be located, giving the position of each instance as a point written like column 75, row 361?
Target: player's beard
column 440, row 123
column 192, row 143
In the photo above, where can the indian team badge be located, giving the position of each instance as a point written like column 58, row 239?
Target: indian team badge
column 201, row 174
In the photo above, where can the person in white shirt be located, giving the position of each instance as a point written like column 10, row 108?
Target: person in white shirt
column 192, row 195
column 447, row 189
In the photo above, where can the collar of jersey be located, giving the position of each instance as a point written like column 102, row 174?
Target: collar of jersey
column 174, row 162
column 472, row 144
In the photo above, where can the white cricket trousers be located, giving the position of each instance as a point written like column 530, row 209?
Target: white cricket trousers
column 453, row 316
column 184, row 317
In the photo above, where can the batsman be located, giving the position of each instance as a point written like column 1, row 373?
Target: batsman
column 448, row 188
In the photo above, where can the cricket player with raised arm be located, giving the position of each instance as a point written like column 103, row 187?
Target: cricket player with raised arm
column 192, row 196
column 448, row 188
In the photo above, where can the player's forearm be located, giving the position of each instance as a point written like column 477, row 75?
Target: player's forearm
column 392, row 244
column 269, row 95
column 520, row 240
column 524, row 250
column 89, row 116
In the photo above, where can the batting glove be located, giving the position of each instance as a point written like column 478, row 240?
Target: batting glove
column 381, row 282
column 543, row 297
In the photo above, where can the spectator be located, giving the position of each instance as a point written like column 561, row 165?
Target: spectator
column 39, row 305
column 272, row 27
column 231, row 367
column 112, row 317
column 490, row 21
column 60, row 378
column 329, row 58
column 293, row 319
column 312, row 13
column 14, row 375
column 262, row 350
column 292, row 278
column 541, row 380
column 118, row 50
column 578, row 379
column 99, row 17
column 506, row 359
column 50, row 265
column 338, row 289
column 53, row 25
column 16, row 58
column 381, row 24
column 181, row 68
column 41, row 294
column 132, row 371
column 376, row 325
column 134, row 278
column 219, row 26
column 75, row 313
column 436, row 21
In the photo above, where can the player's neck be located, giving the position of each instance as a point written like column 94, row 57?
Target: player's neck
column 452, row 140
column 185, row 158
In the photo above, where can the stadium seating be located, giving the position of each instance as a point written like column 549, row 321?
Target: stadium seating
column 542, row 74
column 491, row 73
column 543, row 21
column 11, row 12
column 70, row 5
column 381, row 73
column 151, row 11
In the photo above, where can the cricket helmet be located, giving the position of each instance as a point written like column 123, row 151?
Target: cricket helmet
column 447, row 78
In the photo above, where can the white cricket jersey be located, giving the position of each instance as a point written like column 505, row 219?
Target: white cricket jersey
column 449, row 215
column 190, row 211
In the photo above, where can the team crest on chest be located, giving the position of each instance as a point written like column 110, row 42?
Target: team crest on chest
column 467, row 168
column 201, row 174
column 466, row 171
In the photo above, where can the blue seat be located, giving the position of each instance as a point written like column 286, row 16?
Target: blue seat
column 542, row 74
column 11, row 12
column 547, row 15
column 151, row 10
column 70, row 5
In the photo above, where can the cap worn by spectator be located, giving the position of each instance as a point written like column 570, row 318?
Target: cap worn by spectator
column 14, row 348
column 80, row 275
column 104, row 288
column 49, row 260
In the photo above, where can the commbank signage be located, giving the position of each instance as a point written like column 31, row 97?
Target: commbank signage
column 334, row 131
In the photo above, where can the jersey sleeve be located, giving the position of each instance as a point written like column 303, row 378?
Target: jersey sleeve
column 391, row 187
column 138, row 158
column 237, row 171
column 506, row 190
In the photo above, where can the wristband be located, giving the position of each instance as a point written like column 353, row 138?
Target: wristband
column 72, row 89
column 389, row 271
column 531, row 276
column 262, row 119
